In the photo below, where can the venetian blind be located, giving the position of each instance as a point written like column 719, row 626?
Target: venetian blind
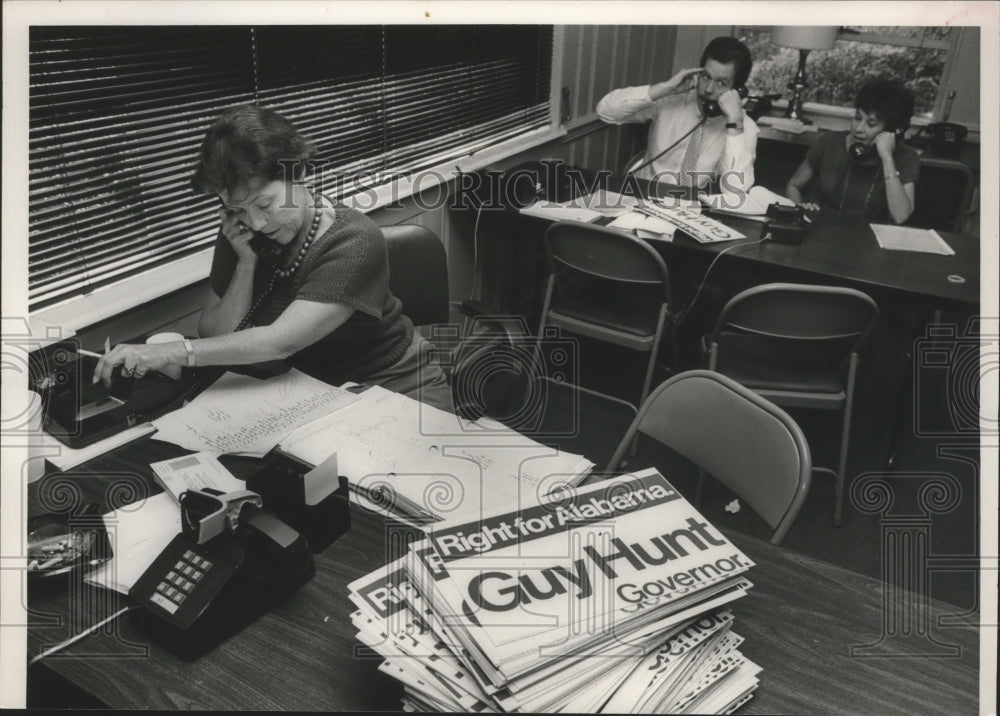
column 117, row 115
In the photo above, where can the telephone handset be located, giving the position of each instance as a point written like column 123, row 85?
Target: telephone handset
column 231, row 562
column 263, row 246
column 857, row 149
column 710, row 108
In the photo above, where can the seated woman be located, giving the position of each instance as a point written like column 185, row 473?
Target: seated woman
column 865, row 172
column 294, row 276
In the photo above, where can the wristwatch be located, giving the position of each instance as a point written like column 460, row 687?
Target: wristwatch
column 734, row 125
column 189, row 349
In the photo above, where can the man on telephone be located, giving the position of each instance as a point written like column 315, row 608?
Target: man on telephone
column 866, row 171
column 698, row 130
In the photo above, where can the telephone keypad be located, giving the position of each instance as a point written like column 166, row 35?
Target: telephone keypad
column 174, row 588
column 184, row 579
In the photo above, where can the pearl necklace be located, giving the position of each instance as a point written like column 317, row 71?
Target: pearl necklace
column 313, row 228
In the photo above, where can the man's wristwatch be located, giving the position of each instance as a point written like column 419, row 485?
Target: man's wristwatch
column 189, row 349
column 734, row 125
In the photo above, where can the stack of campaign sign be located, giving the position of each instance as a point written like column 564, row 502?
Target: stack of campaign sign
column 608, row 598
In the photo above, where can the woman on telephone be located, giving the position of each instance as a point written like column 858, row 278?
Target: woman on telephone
column 866, row 171
column 294, row 276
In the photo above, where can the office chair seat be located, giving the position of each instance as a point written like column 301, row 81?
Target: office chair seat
column 759, row 362
column 609, row 314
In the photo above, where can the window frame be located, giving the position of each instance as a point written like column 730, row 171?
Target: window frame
column 77, row 312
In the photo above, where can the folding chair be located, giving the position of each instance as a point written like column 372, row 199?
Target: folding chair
column 797, row 345
column 607, row 286
column 746, row 442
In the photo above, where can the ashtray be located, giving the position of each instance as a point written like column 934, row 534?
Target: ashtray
column 60, row 543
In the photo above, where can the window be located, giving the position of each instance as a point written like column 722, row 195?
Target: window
column 913, row 55
column 117, row 115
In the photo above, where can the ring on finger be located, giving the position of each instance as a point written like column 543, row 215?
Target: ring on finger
column 127, row 372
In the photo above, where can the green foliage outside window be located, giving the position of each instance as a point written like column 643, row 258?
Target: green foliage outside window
column 836, row 75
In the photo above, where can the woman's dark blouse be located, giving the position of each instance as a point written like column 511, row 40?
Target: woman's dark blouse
column 347, row 264
column 854, row 185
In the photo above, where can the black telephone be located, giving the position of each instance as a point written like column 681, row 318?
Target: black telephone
column 757, row 106
column 231, row 562
column 263, row 246
column 946, row 137
column 710, row 108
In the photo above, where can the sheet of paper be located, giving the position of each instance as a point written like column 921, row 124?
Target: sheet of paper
column 433, row 459
column 138, row 533
column 559, row 212
column 647, row 226
column 322, row 481
column 606, row 202
column 193, row 472
column 905, row 238
column 243, row 415
column 753, row 203
column 66, row 458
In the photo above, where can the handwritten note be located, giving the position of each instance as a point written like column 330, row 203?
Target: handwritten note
column 244, row 415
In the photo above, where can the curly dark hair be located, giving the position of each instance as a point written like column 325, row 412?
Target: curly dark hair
column 730, row 51
column 249, row 144
column 889, row 100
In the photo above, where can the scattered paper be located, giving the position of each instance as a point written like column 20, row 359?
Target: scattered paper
column 606, row 203
column 193, row 472
column 239, row 414
column 753, row 203
column 138, row 533
column 905, row 238
column 66, row 458
column 430, row 462
column 560, row 212
column 647, row 226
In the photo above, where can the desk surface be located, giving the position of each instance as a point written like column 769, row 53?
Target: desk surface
column 845, row 249
column 842, row 250
column 800, row 622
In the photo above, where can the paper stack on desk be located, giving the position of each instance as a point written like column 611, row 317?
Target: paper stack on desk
column 612, row 598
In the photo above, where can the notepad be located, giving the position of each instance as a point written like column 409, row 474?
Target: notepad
column 905, row 238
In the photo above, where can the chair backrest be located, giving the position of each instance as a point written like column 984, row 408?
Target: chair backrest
column 942, row 196
column 800, row 312
column 418, row 272
column 743, row 440
column 606, row 254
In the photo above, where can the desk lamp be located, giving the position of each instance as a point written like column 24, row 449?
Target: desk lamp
column 802, row 39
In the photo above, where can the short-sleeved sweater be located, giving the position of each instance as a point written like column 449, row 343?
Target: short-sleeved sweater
column 864, row 193
column 347, row 264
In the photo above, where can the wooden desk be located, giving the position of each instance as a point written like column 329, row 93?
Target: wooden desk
column 800, row 621
column 843, row 250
